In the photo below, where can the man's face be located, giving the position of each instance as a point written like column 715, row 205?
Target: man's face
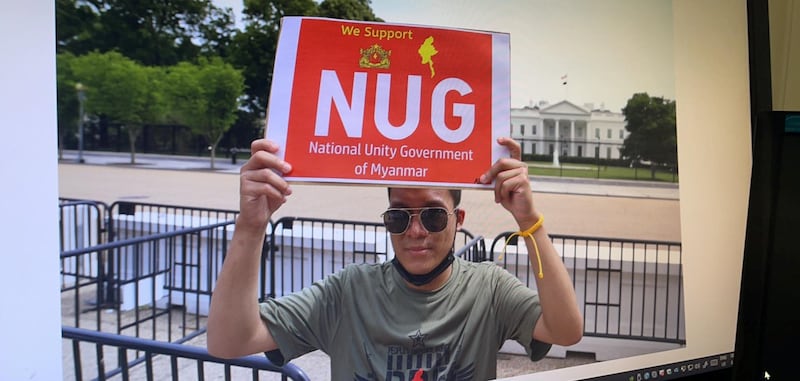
column 417, row 249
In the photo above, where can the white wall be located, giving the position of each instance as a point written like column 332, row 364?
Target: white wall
column 30, row 315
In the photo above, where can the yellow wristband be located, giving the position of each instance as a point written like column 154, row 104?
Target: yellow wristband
column 532, row 229
column 528, row 233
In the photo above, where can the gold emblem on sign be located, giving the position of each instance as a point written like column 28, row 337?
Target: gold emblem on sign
column 374, row 57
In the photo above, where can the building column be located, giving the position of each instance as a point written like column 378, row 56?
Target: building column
column 571, row 148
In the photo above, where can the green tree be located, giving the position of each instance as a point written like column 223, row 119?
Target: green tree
column 76, row 26
column 253, row 49
column 348, row 10
column 653, row 135
column 205, row 97
column 66, row 99
column 217, row 32
column 151, row 32
column 122, row 91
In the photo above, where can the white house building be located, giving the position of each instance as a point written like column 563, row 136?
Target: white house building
column 573, row 130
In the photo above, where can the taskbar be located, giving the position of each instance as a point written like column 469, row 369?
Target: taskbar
column 674, row 371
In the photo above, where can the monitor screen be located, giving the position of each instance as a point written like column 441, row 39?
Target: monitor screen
column 771, row 258
column 594, row 55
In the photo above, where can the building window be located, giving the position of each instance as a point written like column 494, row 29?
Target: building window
column 609, row 133
column 551, row 149
column 597, row 133
column 533, row 149
column 533, row 130
column 522, row 129
column 597, row 152
column 580, row 151
column 608, row 152
column 622, row 134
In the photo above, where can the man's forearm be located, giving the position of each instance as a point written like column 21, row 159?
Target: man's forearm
column 234, row 324
column 556, row 292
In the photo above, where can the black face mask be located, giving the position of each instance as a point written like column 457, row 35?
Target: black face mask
column 420, row 280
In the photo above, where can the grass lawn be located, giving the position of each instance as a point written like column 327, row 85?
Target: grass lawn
column 594, row 172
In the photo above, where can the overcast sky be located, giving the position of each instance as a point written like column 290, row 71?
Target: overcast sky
column 608, row 49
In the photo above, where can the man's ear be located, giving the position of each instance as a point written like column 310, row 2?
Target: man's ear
column 460, row 214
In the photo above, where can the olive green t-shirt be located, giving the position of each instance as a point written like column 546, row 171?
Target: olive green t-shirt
column 374, row 327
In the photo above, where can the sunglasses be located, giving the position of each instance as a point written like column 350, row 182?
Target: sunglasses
column 433, row 219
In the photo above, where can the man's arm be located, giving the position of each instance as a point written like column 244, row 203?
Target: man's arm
column 561, row 321
column 234, row 323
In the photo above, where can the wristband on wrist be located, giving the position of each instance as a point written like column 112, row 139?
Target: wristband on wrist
column 528, row 233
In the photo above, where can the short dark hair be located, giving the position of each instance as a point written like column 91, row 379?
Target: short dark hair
column 454, row 193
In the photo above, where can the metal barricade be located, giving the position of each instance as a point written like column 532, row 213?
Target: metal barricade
column 118, row 355
column 629, row 289
column 303, row 250
column 161, row 283
column 81, row 224
column 136, row 219
column 474, row 250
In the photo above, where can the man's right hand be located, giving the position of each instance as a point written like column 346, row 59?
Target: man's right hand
column 262, row 189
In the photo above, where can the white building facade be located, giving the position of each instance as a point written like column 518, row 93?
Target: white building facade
column 572, row 130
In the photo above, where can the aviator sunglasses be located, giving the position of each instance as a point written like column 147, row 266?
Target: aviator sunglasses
column 433, row 219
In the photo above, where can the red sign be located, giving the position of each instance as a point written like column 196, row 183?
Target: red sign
column 374, row 103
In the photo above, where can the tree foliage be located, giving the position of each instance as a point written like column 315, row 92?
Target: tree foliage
column 153, row 34
column 347, row 10
column 653, row 134
column 205, row 97
column 253, row 50
column 121, row 90
column 66, row 99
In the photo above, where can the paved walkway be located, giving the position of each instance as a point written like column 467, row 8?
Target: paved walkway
column 613, row 209
column 612, row 188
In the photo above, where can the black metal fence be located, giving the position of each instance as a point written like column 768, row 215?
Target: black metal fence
column 629, row 289
column 136, row 219
column 101, row 356
column 148, row 270
column 81, row 225
column 140, row 262
column 591, row 158
column 156, row 286
column 300, row 251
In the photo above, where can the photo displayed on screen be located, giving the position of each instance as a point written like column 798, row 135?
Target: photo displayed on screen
column 586, row 88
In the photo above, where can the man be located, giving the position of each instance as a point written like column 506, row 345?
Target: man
column 424, row 315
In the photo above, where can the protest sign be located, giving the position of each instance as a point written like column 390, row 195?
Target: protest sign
column 392, row 104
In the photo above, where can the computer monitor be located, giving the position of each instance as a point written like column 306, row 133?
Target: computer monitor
column 767, row 328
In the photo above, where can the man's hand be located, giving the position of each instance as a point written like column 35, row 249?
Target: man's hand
column 262, row 189
column 561, row 321
column 234, row 326
column 512, row 187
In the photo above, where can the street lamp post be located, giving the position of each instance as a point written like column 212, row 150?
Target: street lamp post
column 81, row 98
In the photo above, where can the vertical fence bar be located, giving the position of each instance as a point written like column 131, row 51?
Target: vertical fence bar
column 605, row 264
column 122, row 360
column 76, row 359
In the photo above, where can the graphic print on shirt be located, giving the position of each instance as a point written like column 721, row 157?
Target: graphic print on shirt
column 421, row 363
